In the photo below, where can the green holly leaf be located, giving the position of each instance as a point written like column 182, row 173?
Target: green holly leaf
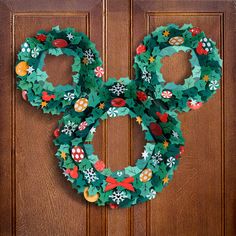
column 200, row 84
column 92, row 190
column 132, row 170
column 84, row 164
column 94, row 99
column 145, row 188
column 76, row 65
column 41, row 75
column 55, row 51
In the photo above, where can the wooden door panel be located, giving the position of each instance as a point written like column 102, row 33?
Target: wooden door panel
column 37, row 199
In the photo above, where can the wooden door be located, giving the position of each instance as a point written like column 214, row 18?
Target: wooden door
column 35, row 198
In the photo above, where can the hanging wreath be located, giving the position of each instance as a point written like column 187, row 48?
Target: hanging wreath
column 33, row 79
column 148, row 99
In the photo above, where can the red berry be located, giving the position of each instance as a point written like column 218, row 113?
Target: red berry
column 56, row 132
column 140, row 49
column 113, row 206
column 195, row 31
column 99, row 165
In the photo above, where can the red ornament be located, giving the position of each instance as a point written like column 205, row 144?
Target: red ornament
column 113, row 206
column 77, row 153
column 195, row 31
column 155, row 129
column 163, row 117
column 99, row 165
column 140, row 49
column 59, row 43
column 200, row 50
column 83, row 125
column 141, row 96
column 99, row 71
column 74, row 173
column 194, row 105
column 56, row 132
column 166, row 94
column 118, row 102
column 46, row 97
column 24, row 95
column 181, row 150
column 41, row 37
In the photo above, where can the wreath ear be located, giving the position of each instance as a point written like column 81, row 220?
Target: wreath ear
column 32, row 79
column 205, row 62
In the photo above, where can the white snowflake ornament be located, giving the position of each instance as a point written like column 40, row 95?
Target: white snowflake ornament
column 118, row 196
column 90, row 175
column 69, row 128
column 118, row 89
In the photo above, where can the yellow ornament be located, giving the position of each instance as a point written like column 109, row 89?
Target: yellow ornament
column 146, row 175
column 81, row 104
column 21, row 68
column 90, row 198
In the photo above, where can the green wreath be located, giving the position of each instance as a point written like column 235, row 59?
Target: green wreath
column 33, row 80
column 148, row 99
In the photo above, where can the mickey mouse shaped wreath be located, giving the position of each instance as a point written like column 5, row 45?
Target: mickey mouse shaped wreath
column 148, row 99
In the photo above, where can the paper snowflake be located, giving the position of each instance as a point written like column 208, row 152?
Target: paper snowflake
column 88, row 54
column 90, row 175
column 118, row 196
column 69, row 128
column 146, row 76
column 118, row 89
column 156, row 158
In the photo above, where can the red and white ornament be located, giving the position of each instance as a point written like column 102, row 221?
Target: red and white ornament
column 99, row 71
column 56, row 132
column 77, row 153
column 140, row 49
column 194, row 105
column 83, row 125
column 24, row 95
column 166, row 94
column 195, row 31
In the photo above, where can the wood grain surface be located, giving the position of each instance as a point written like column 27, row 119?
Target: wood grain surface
column 36, row 199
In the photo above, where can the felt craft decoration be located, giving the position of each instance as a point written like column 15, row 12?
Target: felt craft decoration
column 148, row 99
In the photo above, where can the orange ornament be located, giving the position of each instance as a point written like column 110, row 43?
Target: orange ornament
column 21, row 68
column 81, row 104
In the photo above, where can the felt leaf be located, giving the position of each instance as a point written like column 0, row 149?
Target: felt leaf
column 89, row 149
column 132, row 170
column 92, row 190
column 41, row 75
column 94, row 99
column 55, row 51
